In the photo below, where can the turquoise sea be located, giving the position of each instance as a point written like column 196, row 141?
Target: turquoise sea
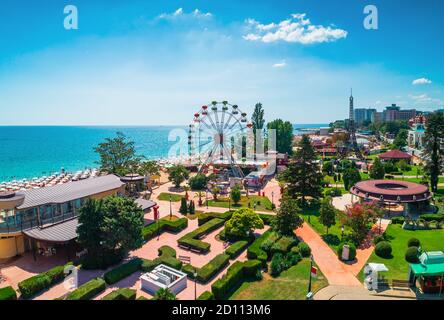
column 33, row 151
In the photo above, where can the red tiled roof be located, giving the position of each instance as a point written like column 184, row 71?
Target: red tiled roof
column 395, row 154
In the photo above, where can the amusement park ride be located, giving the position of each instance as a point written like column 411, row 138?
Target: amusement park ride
column 215, row 135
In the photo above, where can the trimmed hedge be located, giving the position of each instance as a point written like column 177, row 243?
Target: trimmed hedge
column 234, row 277
column 413, row 242
column 207, row 216
column 305, row 250
column 284, row 244
column 8, row 293
column 209, row 270
column 398, row 220
column 190, row 241
column 34, row 285
column 352, row 252
column 121, row 294
column 88, row 290
column 432, row 217
column 167, row 256
column 255, row 252
column 207, row 295
column 122, row 271
column 412, row 255
column 236, row 248
column 164, row 224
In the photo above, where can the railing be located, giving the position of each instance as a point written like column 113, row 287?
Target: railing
column 23, row 226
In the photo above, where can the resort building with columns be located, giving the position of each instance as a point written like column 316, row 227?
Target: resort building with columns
column 48, row 216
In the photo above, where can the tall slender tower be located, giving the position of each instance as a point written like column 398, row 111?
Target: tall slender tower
column 352, row 145
column 352, row 111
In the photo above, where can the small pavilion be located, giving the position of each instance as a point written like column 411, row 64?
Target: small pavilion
column 395, row 155
column 429, row 272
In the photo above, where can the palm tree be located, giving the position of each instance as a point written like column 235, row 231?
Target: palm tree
column 200, row 195
column 164, row 294
column 215, row 191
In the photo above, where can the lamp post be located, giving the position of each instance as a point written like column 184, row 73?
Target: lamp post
column 171, row 209
column 229, row 203
column 342, row 233
column 272, row 199
column 254, row 205
column 206, row 197
column 309, row 282
column 195, row 284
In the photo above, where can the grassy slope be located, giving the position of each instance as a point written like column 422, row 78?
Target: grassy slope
column 431, row 240
column 290, row 285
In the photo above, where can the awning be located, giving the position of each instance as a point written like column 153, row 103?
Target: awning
column 59, row 233
column 145, row 204
column 431, row 264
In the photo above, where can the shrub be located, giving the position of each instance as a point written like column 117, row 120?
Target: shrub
column 398, row 220
column 255, row 252
column 284, row 244
column 189, row 270
column 32, row 286
column 122, row 271
column 167, row 256
column 190, row 241
column 183, row 209
column 121, row 294
column 150, row 231
column 413, row 242
column 207, row 295
column 166, row 251
column 8, row 293
column 281, row 262
column 267, row 245
column 198, row 182
column 352, row 251
column 378, row 239
column 383, row 249
column 234, row 277
column 412, row 255
column 267, row 218
column 304, row 249
column 236, row 248
column 209, row 270
column 88, row 290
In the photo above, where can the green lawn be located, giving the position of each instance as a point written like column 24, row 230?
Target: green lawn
column 431, row 240
column 164, row 196
column 290, row 285
column 262, row 203
column 333, row 239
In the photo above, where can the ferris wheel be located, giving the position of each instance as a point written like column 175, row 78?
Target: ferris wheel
column 215, row 132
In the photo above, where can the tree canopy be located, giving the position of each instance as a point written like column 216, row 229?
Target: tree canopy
column 377, row 171
column 117, row 155
column 178, row 174
column 109, row 229
column 287, row 217
column 284, row 135
column 303, row 175
column 434, row 135
column 327, row 214
column 351, row 176
column 243, row 222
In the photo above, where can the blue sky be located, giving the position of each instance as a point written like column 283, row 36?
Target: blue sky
column 155, row 62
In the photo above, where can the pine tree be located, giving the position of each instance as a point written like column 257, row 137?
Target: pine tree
column 327, row 213
column 303, row 174
column 287, row 217
column 377, row 171
column 183, row 206
column 433, row 136
column 191, row 207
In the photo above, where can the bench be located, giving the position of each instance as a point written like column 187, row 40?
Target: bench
column 401, row 284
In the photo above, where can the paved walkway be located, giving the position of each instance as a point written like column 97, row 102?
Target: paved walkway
column 334, row 270
column 335, row 292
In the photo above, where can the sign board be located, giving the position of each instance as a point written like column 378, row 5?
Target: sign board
column 314, row 272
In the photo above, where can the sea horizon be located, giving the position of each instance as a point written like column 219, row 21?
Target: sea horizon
column 34, row 151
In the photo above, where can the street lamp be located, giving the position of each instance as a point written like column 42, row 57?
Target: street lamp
column 309, row 282
column 229, row 204
column 272, row 199
column 195, row 284
column 206, row 197
column 171, row 210
column 254, row 205
column 342, row 233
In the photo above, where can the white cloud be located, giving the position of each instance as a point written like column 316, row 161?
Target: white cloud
column 421, row 81
column 181, row 13
column 280, row 64
column 297, row 29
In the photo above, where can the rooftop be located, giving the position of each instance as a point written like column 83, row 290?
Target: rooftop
column 395, row 154
column 69, row 191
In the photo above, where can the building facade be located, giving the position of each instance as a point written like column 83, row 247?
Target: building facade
column 394, row 112
column 364, row 115
column 34, row 210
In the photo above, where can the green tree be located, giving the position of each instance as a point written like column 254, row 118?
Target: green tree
column 327, row 214
column 183, row 209
column 284, row 135
column 327, row 168
column 434, row 136
column 215, row 192
column 117, row 155
column 109, row 229
column 257, row 118
column 198, row 182
column 149, row 168
column 350, row 177
column 192, row 207
column 377, row 171
column 164, row 294
column 400, row 139
column 178, row 174
column 359, row 218
column 242, row 223
column 235, row 194
column 287, row 217
column 303, row 175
